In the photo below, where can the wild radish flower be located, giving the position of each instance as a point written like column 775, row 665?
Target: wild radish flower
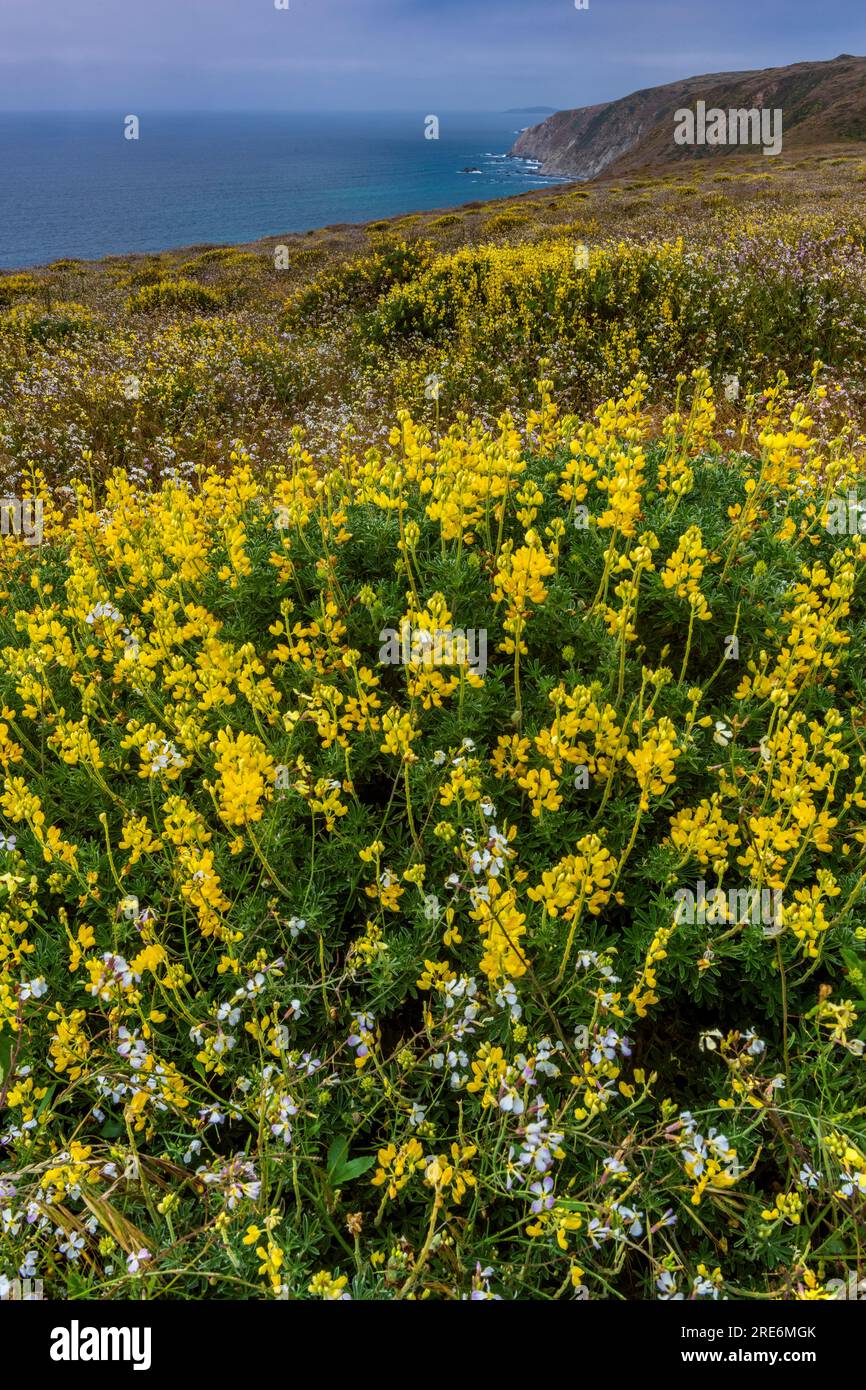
column 32, row 989
column 598, row 1232
column 361, row 1037
column 210, row 1115
column 481, row 1287
column 544, row 1053
column 115, row 974
column 695, row 1157
column 539, row 1146
column 11, row 1222
column 132, row 1047
column 458, row 988
column 510, row 1101
column 106, row 611
column 236, row 1180
column 852, row 1183
column 506, row 998
column 542, row 1191
column 632, row 1224
column 667, row 1287
column 281, row 1127
column 607, row 1045
column 668, row 1219
column 70, row 1245
column 308, row 1064
column 480, row 861
column 457, row 1062
column 490, row 858
column 164, row 755
column 135, row 1259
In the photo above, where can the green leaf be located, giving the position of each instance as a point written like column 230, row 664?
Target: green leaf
column 337, row 1153
column 341, row 1168
column 355, row 1167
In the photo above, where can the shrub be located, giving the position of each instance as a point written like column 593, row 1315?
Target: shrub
column 762, row 304
column 14, row 287
column 505, row 222
column 314, row 923
column 356, row 286
column 62, row 321
column 173, row 294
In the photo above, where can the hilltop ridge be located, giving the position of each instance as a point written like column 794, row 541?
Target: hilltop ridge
column 820, row 102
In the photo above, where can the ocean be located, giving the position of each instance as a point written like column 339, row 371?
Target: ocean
column 73, row 185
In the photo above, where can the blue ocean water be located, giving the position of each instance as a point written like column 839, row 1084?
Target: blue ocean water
column 72, row 185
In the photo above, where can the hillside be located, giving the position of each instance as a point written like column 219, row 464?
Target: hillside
column 820, row 102
column 250, row 341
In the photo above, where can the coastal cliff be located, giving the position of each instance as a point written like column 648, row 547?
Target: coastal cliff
column 821, row 103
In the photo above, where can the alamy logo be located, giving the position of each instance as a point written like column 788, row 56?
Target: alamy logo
column 76, row 1343
column 734, row 127
column 21, row 517
column 846, row 516
column 444, row 646
column 706, row 909
column 20, row 1290
column 852, row 1287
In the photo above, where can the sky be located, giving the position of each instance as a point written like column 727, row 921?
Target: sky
column 364, row 55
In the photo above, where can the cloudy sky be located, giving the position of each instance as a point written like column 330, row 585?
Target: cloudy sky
column 393, row 54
